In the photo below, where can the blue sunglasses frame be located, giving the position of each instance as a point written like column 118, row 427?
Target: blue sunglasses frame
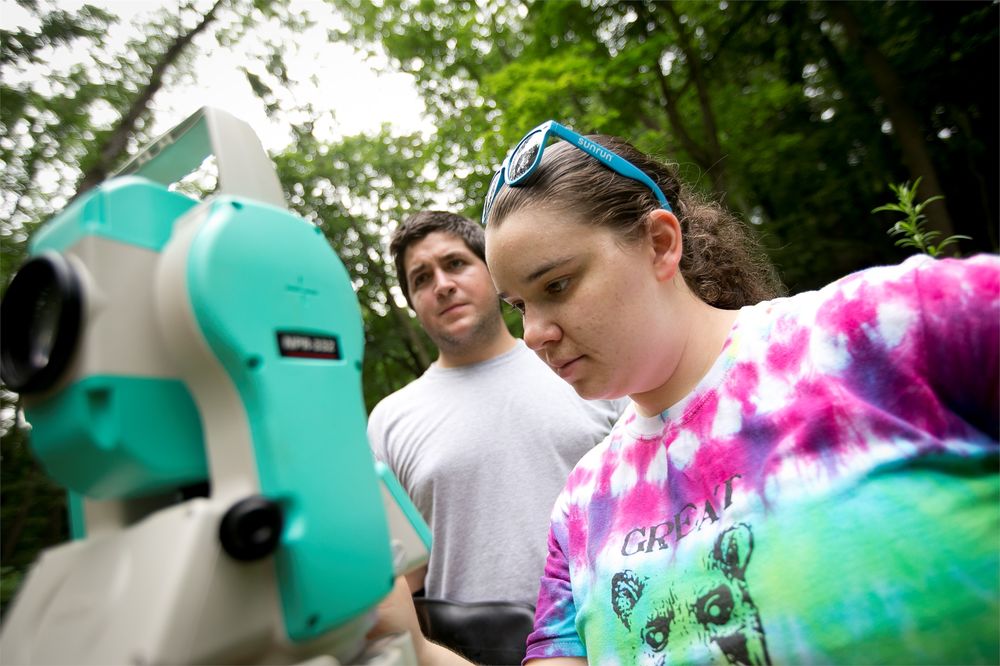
column 550, row 128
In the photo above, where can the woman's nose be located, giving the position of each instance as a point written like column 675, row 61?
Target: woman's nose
column 540, row 331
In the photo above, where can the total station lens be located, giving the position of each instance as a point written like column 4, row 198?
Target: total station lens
column 44, row 326
column 39, row 323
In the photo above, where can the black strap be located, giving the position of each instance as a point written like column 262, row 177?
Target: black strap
column 491, row 632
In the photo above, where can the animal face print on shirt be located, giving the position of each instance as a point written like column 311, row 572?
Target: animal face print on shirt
column 708, row 611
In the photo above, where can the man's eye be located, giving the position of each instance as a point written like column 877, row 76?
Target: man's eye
column 419, row 280
column 457, row 263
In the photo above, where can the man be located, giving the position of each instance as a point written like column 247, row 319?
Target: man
column 484, row 440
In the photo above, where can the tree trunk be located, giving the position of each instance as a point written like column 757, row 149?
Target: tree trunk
column 708, row 153
column 905, row 122
column 712, row 151
column 115, row 143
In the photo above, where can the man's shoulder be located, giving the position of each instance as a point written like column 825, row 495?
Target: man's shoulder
column 537, row 377
column 398, row 412
column 402, row 396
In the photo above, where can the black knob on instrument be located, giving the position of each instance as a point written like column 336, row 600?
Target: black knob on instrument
column 251, row 528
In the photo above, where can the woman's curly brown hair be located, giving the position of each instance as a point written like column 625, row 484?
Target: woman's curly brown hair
column 722, row 263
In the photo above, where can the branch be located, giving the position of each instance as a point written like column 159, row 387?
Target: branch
column 906, row 124
column 697, row 153
column 713, row 150
column 115, row 143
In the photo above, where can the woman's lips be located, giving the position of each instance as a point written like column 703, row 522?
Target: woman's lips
column 565, row 368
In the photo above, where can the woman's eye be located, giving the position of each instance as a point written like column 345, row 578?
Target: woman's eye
column 517, row 306
column 557, row 286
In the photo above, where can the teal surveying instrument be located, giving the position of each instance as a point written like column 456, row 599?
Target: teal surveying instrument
column 192, row 373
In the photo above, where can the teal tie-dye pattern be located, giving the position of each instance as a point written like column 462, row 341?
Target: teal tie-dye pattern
column 829, row 493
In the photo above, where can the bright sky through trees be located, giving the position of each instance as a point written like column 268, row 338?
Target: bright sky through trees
column 360, row 95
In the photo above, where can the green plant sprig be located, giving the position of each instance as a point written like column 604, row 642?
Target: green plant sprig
column 912, row 226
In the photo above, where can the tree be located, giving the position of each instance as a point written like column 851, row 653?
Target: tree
column 904, row 118
column 771, row 106
column 113, row 146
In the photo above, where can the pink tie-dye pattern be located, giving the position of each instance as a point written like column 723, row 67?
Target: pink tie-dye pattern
column 887, row 391
column 785, row 356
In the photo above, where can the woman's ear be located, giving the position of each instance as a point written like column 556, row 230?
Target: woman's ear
column 667, row 245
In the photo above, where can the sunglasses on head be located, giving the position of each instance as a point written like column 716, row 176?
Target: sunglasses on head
column 527, row 155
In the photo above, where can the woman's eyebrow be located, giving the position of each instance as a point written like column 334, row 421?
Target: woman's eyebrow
column 540, row 271
column 546, row 267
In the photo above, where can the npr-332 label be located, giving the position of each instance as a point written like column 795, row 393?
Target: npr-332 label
column 305, row 345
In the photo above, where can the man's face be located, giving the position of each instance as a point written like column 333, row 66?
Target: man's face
column 452, row 293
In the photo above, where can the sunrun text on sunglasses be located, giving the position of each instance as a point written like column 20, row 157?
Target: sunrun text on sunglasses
column 527, row 155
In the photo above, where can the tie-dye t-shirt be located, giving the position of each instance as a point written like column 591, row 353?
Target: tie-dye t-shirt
column 828, row 493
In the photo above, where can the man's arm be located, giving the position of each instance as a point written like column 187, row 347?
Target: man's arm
column 415, row 579
column 396, row 613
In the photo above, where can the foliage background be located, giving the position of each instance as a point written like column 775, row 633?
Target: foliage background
column 798, row 115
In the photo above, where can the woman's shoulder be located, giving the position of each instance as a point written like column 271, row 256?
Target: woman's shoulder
column 877, row 312
column 916, row 271
column 881, row 283
column 588, row 470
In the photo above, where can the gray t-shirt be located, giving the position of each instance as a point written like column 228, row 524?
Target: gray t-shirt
column 483, row 451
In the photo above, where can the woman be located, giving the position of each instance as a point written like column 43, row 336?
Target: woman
column 811, row 479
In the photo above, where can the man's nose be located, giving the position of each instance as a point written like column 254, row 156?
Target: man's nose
column 444, row 283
